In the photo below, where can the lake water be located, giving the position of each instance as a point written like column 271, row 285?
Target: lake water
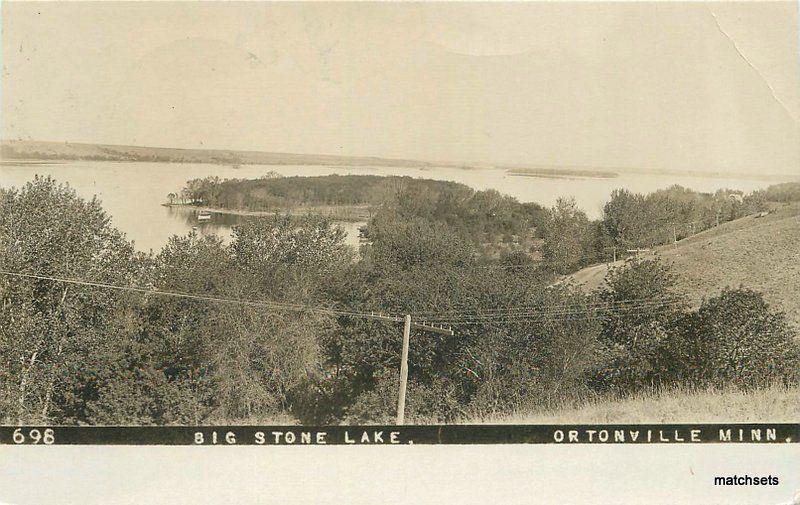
column 132, row 193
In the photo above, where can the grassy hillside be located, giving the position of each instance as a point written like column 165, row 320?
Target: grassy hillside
column 760, row 253
column 27, row 149
column 772, row 405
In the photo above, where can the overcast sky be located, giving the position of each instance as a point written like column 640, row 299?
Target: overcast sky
column 670, row 86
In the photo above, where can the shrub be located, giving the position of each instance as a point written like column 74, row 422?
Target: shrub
column 736, row 339
column 146, row 396
column 639, row 344
column 435, row 402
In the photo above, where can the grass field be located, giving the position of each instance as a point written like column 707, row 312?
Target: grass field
column 771, row 405
column 758, row 253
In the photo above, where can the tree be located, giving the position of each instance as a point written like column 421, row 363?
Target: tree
column 532, row 358
column 53, row 335
column 624, row 219
column 492, row 364
column 567, row 237
column 641, row 311
column 272, row 355
column 412, row 265
column 240, row 360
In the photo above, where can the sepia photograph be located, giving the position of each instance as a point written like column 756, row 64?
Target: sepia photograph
column 398, row 223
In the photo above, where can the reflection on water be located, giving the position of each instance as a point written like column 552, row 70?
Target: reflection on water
column 133, row 192
column 220, row 224
column 189, row 216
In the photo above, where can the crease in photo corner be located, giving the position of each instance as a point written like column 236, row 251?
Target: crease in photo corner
column 755, row 69
column 795, row 500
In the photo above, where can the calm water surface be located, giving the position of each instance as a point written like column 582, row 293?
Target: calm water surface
column 132, row 193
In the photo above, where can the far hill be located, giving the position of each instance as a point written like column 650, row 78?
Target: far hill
column 762, row 253
column 40, row 150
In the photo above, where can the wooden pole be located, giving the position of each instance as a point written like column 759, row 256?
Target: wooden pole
column 401, row 398
column 429, row 327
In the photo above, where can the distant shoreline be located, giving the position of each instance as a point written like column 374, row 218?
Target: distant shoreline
column 74, row 151
column 26, row 162
column 21, row 153
column 562, row 173
column 348, row 213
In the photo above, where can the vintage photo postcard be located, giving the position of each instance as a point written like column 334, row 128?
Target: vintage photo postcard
column 496, row 232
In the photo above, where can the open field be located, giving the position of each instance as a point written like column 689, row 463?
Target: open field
column 759, row 253
column 772, row 405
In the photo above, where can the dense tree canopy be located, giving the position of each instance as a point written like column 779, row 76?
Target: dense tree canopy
column 271, row 324
column 632, row 220
column 55, row 337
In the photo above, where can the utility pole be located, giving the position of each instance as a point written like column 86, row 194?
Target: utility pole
column 613, row 251
column 401, row 396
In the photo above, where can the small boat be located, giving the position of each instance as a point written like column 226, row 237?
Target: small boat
column 204, row 216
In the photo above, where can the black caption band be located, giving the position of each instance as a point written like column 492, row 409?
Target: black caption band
column 402, row 435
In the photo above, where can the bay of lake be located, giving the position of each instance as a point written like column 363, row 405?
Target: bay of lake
column 133, row 192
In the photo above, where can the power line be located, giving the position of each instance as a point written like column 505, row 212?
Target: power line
column 539, row 308
column 426, row 326
column 544, row 317
column 565, row 311
column 433, row 321
column 543, row 309
column 192, row 296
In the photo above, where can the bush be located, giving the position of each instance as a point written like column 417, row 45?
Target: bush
column 146, row 396
column 639, row 344
column 432, row 403
column 736, row 339
column 732, row 339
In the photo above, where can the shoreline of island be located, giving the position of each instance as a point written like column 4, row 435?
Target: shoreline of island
column 348, row 213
